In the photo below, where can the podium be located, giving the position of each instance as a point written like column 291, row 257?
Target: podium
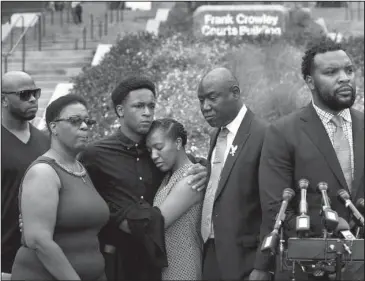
column 319, row 249
column 319, row 255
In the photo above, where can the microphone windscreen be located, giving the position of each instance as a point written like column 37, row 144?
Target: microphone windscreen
column 303, row 184
column 342, row 225
column 360, row 205
column 343, row 194
column 288, row 194
column 322, row 186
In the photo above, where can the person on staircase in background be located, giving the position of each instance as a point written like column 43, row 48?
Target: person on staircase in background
column 76, row 10
column 22, row 143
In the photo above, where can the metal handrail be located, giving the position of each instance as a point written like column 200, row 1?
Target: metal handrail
column 22, row 37
column 11, row 30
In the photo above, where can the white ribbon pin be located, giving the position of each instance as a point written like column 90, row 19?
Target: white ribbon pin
column 233, row 149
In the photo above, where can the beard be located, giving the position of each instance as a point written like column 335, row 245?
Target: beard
column 335, row 103
column 21, row 116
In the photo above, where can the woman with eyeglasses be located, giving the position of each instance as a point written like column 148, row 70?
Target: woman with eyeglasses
column 60, row 209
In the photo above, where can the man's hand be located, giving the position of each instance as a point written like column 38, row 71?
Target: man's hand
column 259, row 275
column 199, row 179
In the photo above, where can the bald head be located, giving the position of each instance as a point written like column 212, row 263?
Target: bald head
column 220, row 97
column 14, row 81
column 16, row 100
column 219, row 77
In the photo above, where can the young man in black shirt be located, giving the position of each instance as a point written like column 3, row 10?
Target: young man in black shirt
column 124, row 174
column 21, row 143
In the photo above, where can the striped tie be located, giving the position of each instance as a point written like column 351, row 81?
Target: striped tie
column 220, row 148
column 342, row 147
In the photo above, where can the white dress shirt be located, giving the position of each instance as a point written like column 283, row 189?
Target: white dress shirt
column 233, row 129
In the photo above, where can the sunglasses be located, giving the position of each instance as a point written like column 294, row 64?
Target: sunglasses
column 25, row 95
column 77, row 121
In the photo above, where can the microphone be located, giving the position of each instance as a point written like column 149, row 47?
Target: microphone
column 360, row 205
column 303, row 220
column 343, row 228
column 330, row 217
column 270, row 242
column 359, row 219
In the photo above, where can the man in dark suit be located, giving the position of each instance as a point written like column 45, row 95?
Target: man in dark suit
column 323, row 141
column 231, row 214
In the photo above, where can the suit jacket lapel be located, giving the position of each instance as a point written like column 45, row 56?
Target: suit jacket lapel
column 313, row 127
column 240, row 140
column 358, row 141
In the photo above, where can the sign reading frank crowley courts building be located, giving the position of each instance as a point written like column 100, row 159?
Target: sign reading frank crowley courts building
column 240, row 20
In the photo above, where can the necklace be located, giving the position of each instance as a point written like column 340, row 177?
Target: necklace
column 81, row 174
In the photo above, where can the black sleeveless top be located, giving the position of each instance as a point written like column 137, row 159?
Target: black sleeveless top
column 81, row 214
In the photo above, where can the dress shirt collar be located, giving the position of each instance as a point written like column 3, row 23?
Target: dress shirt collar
column 326, row 116
column 127, row 142
column 236, row 123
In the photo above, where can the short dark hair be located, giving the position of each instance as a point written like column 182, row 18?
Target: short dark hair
column 54, row 109
column 129, row 84
column 171, row 127
column 321, row 46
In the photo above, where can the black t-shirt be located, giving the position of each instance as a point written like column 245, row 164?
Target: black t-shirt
column 16, row 157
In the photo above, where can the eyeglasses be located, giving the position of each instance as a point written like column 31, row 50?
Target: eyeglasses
column 77, row 121
column 25, row 95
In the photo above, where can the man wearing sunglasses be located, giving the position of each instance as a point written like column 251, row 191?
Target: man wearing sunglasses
column 22, row 143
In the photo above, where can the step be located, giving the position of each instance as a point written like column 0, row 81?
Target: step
column 48, row 84
column 52, row 77
column 32, row 72
column 58, row 58
column 48, row 65
column 64, row 46
column 76, row 55
column 53, row 53
column 69, row 72
column 46, row 94
column 42, row 103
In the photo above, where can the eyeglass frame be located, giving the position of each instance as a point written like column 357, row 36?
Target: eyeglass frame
column 34, row 93
column 84, row 120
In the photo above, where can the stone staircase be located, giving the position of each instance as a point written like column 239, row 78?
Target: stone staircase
column 49, row 68
column 58, row 59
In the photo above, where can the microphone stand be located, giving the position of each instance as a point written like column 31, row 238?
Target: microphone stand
column 281, row 248
column 293, row 272
column 338, row 265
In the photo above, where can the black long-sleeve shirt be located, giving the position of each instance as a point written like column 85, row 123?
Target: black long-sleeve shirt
column 125, row 176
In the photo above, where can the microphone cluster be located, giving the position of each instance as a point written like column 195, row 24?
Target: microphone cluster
column 333, row 224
